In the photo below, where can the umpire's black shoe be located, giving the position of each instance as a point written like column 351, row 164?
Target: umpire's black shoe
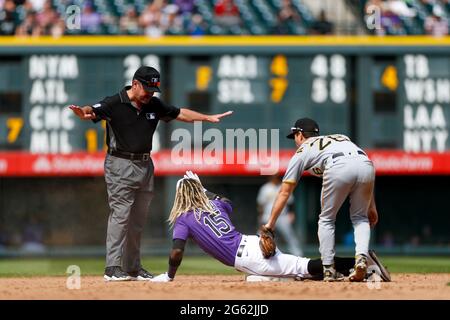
column 116, row 274
column 141, row 275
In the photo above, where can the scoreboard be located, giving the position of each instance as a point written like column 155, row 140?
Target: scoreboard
column 385, row 94
column 42, row 123
column 265, row 91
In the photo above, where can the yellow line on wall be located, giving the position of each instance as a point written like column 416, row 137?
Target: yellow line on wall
column 220, row 41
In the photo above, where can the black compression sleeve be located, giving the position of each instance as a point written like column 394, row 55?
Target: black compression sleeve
column 178, row 244
column 175, row 257
column 315, row 267
column 343, row 265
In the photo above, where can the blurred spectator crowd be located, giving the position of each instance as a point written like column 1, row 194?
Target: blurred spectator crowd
column 155, row 18
column 158, row 17
column 403, row 17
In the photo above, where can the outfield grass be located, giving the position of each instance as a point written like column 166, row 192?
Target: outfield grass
column 95, row 266
column 190, row 265
column 417, row 264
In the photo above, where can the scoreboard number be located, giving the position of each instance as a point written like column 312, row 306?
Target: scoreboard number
column 338, row 92
column 322, row 69
column 319, row 66
column 203, row 77
column 235, row 90
column 279, row 86
column 132, row 62
column 319, row 93
column 15, row 126
column 234, row 73
column 279, row 68
column 337, row 66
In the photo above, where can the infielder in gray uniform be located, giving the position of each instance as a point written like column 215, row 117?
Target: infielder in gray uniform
column 132, row 116
column 346, row 172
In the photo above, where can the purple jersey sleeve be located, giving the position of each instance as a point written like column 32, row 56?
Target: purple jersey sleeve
column 226, row 206
column 180, row 229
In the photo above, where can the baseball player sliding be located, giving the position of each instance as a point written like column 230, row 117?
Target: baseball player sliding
column 346, row 172
column 205, row 217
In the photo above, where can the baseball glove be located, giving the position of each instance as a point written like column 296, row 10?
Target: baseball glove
column 267, row 242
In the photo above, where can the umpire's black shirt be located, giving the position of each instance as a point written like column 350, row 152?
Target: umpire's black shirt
column 128, row 128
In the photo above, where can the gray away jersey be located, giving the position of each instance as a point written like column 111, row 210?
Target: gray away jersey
column 312, row 154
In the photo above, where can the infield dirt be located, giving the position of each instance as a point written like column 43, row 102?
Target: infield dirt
column 223, row 287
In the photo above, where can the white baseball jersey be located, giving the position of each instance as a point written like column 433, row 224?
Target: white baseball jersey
column 315, row 152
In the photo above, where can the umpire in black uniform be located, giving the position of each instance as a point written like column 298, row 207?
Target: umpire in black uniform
column 132, row 116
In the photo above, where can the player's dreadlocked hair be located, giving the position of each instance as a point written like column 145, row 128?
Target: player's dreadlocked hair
column 190, row 195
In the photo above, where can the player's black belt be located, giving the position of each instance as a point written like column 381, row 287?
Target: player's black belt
column 130, row 155
column 341, row 154
column 240, row 250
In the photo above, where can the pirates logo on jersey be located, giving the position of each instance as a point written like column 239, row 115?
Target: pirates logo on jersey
column 317, row 171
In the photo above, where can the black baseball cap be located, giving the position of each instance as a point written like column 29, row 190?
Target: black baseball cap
column 149, row 77
column 304, row 125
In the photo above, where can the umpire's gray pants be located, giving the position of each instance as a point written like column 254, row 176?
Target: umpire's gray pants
column 130, row 191
column 346, row 176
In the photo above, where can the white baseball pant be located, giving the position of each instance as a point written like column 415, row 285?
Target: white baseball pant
column 249, row 259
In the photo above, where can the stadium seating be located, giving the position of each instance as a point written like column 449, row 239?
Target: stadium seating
column 415, row 25
column 258, row 17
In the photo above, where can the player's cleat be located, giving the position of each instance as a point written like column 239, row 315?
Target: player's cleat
column 331, row 275
column 141, row 275
column 380, row 269
column 359, row 271
column 116, row 274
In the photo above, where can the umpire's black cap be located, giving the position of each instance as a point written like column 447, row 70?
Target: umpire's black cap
column 149, row 77
column 304, row 125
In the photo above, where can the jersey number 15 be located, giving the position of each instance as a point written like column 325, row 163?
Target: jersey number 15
column 217, row 224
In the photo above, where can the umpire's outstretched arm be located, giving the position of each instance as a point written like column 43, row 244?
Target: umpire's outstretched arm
column 187, row 115
column 84, row 113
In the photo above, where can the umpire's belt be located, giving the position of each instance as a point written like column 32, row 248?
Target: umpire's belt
column 129, row 155
column 341, row 154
